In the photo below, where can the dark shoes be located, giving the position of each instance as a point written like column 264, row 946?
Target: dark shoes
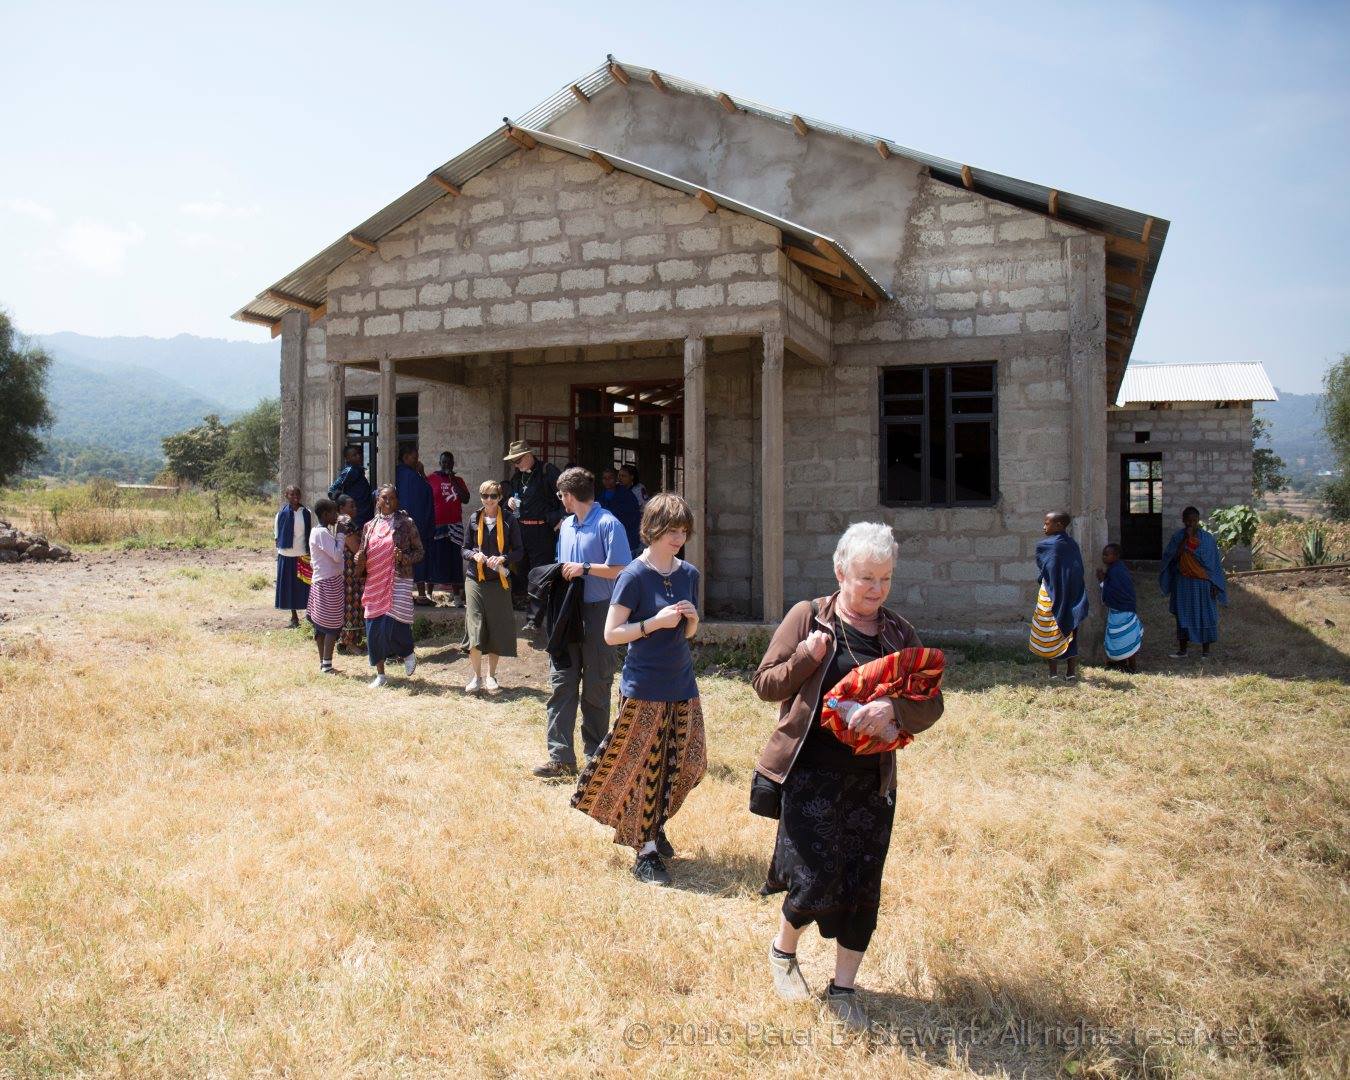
column 555, row 770
column 530, row 626
column 650, row 870
column 663, row 846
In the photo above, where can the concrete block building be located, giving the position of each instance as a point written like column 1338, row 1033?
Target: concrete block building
column 796, row 325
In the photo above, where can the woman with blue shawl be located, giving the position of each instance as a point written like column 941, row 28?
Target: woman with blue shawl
column 620, row 500
column 1193, row 580
column 1062, row 602
column 416, row 500
column 290, row 533
column 1124, row 631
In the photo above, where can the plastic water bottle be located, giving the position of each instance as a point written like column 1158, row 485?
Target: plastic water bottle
column 845, row 709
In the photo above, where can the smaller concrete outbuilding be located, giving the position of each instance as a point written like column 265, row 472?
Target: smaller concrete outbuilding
column 1179, row 435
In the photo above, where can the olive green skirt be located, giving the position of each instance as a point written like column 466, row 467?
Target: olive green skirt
column 489, row 619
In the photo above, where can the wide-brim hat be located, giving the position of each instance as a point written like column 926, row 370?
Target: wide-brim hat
column 518, row 449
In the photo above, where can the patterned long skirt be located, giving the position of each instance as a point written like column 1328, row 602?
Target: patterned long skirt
column 1047, row 640
column 833, row 836
column 353, row 614
column 652, row 758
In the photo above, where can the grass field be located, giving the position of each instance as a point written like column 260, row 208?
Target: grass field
column 215, row 862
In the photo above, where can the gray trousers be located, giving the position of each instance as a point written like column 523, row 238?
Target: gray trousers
column 589, row 680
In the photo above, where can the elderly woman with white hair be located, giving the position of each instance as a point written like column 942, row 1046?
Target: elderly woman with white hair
column 837, row 808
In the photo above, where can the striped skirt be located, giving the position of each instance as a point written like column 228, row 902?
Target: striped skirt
column 1124, row 634
column 327, row 604
column 1047, row 640
column 651, row 759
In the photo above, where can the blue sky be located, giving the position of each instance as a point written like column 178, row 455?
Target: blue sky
column 160, row 164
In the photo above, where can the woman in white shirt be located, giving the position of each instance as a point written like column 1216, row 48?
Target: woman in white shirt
column 328, row 593
column 290, row 533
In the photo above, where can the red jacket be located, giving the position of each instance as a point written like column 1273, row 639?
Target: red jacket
column 448, row 496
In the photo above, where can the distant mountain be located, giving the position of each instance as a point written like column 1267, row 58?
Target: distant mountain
column 235, row 374
column 1296, row 433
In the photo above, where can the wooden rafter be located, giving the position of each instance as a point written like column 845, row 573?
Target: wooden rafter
column 830, row 252
column 314, row 316
column 619, row 74
column 602, row 161
column 840, row 285
column 1130, row 249
column 1148, row 230
column 815, row 262
column 659, row 82
column 280, row 297
column 523, row 138
column 883, row 149
column 450, row 189
column 1131, row 279
column 261, row 320
column 727, row 103
column 1052, row 204
column 707, row 200
column 580, row 94
column 1114, row 304
column 361, row 242
column 799, row 125
column 967, row 178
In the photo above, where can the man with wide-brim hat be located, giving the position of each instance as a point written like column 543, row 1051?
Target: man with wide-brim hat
column 534, row 501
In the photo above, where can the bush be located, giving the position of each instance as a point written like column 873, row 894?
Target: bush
column 1233, row 526
column 1288, row 543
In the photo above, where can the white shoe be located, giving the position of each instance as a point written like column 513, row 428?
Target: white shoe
column 377, row 682
column 788, row 979
column 410, row 663
column 472, row 686
column 491, row 685
column 847, row 1009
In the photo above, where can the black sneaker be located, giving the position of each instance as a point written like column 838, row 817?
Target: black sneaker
column 663, row 846
column 651, row 870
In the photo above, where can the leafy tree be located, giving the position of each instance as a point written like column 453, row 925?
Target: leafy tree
column 23, row 401
column 1267, row 466
column 195, row 454
column 1336, row 424
column 254, row 451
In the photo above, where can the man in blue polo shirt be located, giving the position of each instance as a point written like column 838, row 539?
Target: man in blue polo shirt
column 591, row 545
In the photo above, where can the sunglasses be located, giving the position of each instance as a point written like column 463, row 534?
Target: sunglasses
column 491, row 498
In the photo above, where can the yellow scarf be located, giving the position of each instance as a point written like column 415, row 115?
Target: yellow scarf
column 501, row 548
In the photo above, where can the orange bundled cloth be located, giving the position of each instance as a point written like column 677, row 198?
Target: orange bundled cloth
column 914, row 674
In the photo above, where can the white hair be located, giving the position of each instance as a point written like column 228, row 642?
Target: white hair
column 865, row 541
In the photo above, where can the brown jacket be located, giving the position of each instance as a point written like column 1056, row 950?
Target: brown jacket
column 790, row 675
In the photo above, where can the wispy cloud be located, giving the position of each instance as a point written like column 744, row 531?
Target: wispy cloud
column 29, row 208
column 216, row 209
column 98, row 246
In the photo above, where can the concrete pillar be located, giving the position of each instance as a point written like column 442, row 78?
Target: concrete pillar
column 290, row 467
column 386, row 440
column 696, row 452
column 337, row 416
column 771, row 474
column 1086, row 256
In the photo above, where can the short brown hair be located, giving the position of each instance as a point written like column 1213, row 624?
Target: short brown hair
column 577, row 482
column 490, row 487
column 662, row 513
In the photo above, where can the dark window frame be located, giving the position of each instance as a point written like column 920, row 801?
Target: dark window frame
column 931, row 373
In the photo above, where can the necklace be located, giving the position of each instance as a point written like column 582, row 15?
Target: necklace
column 666, row 583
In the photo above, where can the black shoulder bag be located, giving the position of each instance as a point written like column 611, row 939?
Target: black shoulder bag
column 766, row 796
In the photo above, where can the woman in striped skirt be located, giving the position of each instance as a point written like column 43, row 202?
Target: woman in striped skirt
column 1061, row 603
column 390, row 548
column 326, row 592
column 1124, row 631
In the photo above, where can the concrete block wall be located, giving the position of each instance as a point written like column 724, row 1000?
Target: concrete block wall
column 1206, row 456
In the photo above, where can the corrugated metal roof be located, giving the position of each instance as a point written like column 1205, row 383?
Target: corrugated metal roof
column 791, row 228
column 1195, row 382
column 309, row 281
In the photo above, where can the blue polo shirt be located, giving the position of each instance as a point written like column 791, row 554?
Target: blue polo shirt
column 599, row 540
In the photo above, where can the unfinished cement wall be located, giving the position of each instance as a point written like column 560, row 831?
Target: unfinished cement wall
column 1206, row 456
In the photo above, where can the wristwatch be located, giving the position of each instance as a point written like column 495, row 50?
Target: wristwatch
column 585, row 569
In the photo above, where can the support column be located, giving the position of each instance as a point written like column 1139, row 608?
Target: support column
column 771, row 474
column 696, row 453
column 386, row 440
column 290, row 465
column 337, row 416
column 1086, row 256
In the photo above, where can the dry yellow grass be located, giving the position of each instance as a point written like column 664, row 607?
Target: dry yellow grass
column 215, row 862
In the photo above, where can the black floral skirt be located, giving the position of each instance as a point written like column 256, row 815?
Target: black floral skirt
column 833, row 836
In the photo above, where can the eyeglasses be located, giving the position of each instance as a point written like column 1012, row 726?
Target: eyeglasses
column 491, row 498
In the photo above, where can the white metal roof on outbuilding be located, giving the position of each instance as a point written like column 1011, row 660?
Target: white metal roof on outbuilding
column 1195, row 382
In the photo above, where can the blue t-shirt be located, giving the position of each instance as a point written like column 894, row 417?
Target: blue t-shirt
column 658, row 667
column 600, row 541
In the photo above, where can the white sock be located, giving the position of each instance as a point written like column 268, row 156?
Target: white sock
column 649, row 848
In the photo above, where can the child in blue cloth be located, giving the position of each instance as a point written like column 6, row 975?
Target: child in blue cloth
column 1124, row 631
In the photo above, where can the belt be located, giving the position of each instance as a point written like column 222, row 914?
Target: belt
column 540, row 522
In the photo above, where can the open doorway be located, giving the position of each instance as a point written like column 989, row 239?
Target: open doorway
column 1141, row 482
column 639, row 424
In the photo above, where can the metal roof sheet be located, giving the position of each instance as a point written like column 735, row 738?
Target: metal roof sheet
column 1195, row 382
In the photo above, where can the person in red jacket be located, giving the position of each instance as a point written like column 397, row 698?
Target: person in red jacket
column 449, row 493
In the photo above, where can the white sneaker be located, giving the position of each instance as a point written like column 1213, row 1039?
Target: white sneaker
column 491, row 685
column 377, row 682
column 847, row 1009
column 410, row 663
column 472, row 686
column 788, row 979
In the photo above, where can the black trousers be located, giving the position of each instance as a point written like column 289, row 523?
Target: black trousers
column 541, row 548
